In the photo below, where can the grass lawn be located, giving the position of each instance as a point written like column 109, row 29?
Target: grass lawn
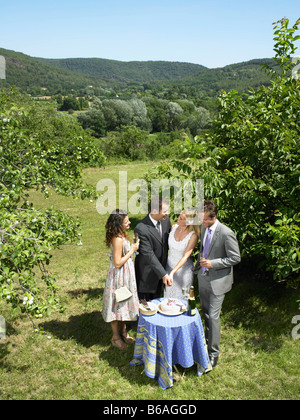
column 74, row 358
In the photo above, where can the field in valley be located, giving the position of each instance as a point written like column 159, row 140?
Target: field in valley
column 73, row 358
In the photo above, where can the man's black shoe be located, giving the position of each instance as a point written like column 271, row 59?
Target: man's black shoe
column 213, row 361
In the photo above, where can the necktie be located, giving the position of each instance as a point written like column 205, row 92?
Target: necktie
column 207, row 243
column 158, row 228
column 206, row 247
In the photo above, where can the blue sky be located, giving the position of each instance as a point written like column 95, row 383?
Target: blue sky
column 213, row 33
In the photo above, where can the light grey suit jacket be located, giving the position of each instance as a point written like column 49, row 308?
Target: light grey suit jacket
column 224, row 253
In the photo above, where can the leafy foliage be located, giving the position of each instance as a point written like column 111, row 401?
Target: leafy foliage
column 38, row 149
column 252, row 165
column 154, row 115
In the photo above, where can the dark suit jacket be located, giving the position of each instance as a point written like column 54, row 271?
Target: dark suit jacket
column 152, row 255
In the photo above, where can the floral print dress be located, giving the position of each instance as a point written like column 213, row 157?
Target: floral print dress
column 117, row 277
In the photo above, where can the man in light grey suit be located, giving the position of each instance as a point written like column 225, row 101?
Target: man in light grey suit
column 219, row 252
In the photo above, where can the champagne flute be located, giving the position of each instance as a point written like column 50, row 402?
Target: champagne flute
column 201, row 258
column 204, row 270
column 135, row 240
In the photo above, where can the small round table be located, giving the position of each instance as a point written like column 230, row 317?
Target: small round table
column 163, row 341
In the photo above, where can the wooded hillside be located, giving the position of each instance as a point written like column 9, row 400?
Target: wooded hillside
column 51, row 76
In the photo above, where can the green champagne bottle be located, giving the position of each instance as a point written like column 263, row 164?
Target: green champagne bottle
column 192, row 302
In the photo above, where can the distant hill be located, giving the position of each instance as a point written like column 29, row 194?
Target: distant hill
column 51, row 76
column 127, row 72
column 31, row 74
column 239, row 76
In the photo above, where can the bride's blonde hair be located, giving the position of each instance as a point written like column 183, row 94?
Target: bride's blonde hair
column 192, row 214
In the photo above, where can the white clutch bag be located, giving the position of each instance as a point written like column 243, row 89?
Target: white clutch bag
column 122, row 294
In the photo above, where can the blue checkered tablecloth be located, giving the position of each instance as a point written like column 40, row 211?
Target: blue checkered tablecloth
column 163, row 341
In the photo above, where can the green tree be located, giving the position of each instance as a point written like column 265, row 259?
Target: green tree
column 36, row 155
column 173, row 110
column 252, row 165
column 140, row 118
column 70, row 103
column 157, row 115
column 132, row 141
column 94, row 121
column 116, row 113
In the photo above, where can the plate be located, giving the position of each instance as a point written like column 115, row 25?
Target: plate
column 180, row 311
column 151, row 305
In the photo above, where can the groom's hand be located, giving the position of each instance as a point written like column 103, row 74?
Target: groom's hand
column 206, row 263
column 167, row 280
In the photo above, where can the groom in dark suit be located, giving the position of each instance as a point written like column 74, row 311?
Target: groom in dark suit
column 219, row 252
column 153, row 232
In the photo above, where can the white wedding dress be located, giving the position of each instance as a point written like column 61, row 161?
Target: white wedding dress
column 184, row 276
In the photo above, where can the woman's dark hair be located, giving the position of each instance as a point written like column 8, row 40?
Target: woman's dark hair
column 114, row 226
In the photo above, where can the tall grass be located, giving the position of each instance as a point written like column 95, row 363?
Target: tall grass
column 74, row 359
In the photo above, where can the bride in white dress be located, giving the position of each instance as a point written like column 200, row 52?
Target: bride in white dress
column 182, row 241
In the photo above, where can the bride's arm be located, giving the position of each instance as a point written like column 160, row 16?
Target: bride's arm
column 187, row 253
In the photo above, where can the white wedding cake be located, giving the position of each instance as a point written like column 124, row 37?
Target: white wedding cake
column 171, row 306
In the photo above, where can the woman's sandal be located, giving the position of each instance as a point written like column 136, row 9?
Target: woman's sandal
column 128, row 339
column 119, row 343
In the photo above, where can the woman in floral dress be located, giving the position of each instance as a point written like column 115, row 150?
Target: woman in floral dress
column 120, row 273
